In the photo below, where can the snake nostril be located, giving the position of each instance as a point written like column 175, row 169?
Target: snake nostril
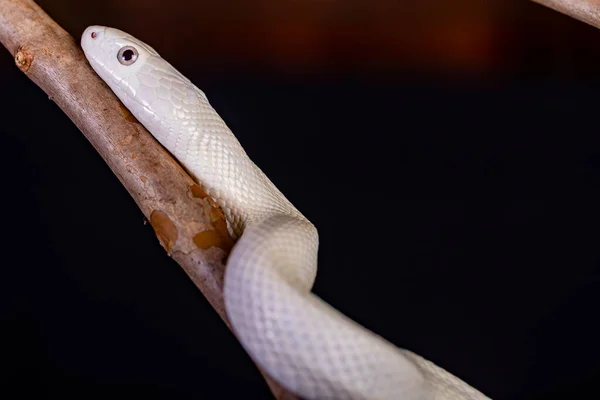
column 93, row 35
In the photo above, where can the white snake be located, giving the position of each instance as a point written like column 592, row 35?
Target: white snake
column 302, row 342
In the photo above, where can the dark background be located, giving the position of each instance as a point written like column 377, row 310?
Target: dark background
column 448, row 153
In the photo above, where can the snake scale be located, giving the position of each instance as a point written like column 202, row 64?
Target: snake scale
column 301, row 341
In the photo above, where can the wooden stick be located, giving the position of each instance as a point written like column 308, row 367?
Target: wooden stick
column 587, row 11
column 188, row 223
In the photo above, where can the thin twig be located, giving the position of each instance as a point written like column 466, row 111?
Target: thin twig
column 188, row 224
column 587, row 11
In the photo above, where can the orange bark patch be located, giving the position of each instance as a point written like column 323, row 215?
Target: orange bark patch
column 23, row 59
column 220, row 223
column 126, row 140
column 165, row 229
column 209, row 238
column 198, row 192
column 127, row 114
column 218, row 237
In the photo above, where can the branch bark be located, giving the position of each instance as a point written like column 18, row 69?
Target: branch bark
column 587, row 11
column 187, row 222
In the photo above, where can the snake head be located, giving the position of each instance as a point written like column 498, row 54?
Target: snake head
column 148, row 85
column 158, row 96
column 114, row 54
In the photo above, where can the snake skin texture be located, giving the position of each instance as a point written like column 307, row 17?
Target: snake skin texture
column 302, row 342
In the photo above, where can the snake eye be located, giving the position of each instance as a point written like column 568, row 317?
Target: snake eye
column 127, row 55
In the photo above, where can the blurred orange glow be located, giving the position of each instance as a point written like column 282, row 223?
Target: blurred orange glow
column 345, row 36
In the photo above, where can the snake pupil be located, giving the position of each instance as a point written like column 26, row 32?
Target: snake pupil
column 127, row 55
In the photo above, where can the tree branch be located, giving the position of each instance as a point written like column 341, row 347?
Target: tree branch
column 188, row 223
column 587, row 11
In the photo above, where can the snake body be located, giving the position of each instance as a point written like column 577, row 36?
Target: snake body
column 302, row 342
